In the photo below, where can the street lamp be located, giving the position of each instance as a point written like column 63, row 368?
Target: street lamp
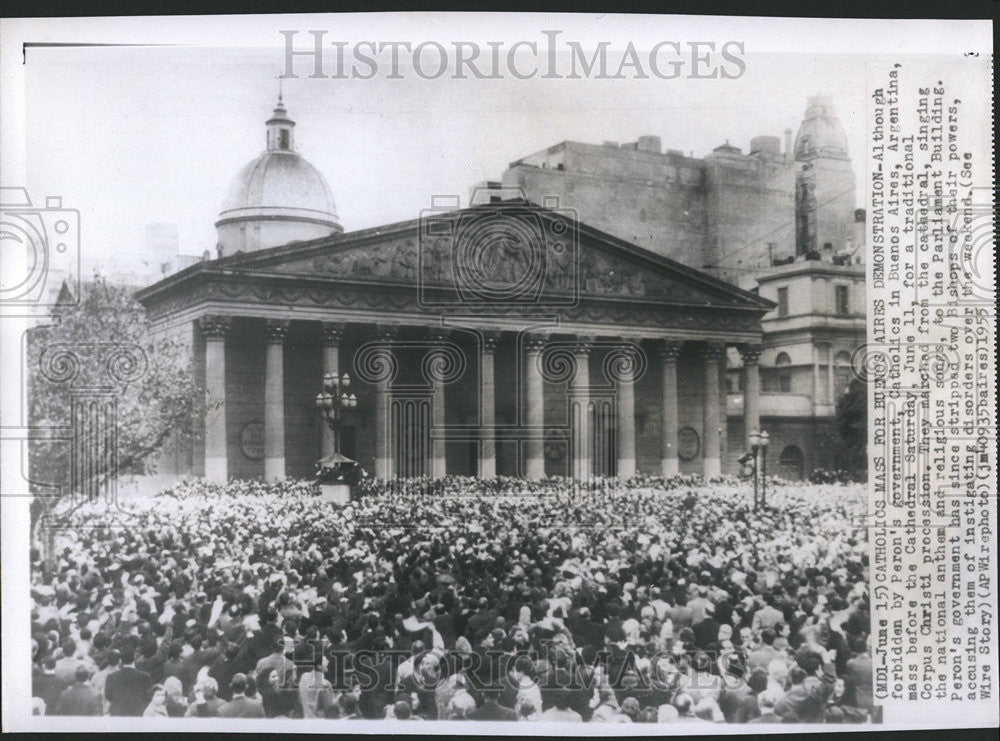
column 764, row 440
column 333, row 402
column 754, row 447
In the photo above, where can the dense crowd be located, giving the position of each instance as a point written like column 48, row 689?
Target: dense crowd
column 652, row 601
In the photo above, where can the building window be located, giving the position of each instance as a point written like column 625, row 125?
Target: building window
column 283, row 139
column 841, row 295
column 783, row 302
column 841, row 374
column 784, row 374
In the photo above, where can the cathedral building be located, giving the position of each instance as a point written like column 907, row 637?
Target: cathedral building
column 507, row 338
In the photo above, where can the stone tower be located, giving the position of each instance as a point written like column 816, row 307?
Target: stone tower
column 825, row 187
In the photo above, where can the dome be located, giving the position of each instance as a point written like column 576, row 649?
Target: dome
column 280, row 183
column 277, row 198
column 820, row 134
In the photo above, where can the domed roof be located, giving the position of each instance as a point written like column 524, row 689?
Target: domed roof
column 280, row 184
column 820, row 134
column 280, row 181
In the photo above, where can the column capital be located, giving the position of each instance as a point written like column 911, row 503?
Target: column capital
column 276, row 330
column 490, row 340
column 214, row 325
column 715, row 351
column 535, row 343
column 750, row 353
column 386, row 332
column 670, row 350
column 583, row 345
column 333, row 333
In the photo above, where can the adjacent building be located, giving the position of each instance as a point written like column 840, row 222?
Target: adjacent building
column 778, row 220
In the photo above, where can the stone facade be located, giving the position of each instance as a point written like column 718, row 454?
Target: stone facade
column 617, row 367
column 727, row 213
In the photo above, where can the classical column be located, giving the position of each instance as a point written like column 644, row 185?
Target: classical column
column 712, row 354
column 830, row 396
column 534, row 413
column 214, row 329
column 385, row 365
column 333, row 336
column 487, row 464
column 669, row 353
column 625, row 379
column 751, row 390
column 580, row 406
column 439, row 461
column 274, row 401
column 815, row 359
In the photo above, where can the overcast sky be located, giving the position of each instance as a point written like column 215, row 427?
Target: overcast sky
column 134, row 135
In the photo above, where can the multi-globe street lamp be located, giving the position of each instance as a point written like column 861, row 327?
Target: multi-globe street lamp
column 758, row 447
column 336, row 471
column 333, row 401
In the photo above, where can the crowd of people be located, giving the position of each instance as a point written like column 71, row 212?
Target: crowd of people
column 651, row 601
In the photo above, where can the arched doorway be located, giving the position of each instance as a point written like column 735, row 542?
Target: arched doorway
column 790, row 463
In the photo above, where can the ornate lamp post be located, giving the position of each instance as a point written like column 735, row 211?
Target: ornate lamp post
column 754, row 448
column 764, row 440
column 336, row 472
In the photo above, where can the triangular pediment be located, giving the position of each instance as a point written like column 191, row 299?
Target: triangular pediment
column 494, row 249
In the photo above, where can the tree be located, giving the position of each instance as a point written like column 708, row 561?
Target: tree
column 852, row 424
column 114, row 394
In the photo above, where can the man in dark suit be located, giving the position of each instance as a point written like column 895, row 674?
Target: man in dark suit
column 586, row 632
column 48, row 685
column 127, row 690
column 706, row 631
column 80, row 698
column 491, row 708
column 241, row 706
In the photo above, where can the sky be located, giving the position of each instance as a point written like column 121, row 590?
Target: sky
column 135, row 135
